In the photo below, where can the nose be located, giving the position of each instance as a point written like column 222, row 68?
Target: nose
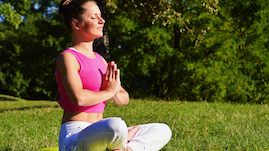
column 101, row 20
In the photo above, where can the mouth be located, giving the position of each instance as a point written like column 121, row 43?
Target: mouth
column 100, row 28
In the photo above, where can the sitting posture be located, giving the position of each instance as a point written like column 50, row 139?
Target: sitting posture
column 85, row 81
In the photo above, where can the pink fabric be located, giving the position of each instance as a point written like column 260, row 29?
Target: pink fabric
column 91, row 72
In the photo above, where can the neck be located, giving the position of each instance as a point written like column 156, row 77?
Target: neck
column 84, row 47
column 81, row 44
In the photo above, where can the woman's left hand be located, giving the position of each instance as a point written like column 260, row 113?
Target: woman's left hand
column 116, row 75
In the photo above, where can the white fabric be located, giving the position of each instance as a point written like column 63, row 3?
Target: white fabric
column 111, row 133
column 150, row 137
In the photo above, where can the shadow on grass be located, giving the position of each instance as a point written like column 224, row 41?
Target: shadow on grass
column 7, row 99
column 4, row 97
column 29, row 108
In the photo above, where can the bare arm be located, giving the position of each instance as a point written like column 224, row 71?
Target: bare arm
column 121, row 97
column 68, row 68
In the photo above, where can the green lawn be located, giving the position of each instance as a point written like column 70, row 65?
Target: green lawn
column 32, row 125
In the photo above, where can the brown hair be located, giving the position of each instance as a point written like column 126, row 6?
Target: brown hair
column 72, row 9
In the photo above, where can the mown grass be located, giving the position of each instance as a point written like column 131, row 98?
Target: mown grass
column 32, row 125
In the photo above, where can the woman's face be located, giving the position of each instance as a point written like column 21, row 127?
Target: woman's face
column 91, row 23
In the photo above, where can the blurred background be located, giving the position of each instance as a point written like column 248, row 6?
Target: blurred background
column 191, row 50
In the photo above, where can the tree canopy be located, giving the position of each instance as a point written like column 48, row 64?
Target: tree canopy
column 190, row 50
column 193, row 50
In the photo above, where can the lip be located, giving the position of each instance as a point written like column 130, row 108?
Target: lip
column 100, row 28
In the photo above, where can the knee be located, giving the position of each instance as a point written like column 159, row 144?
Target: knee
column 117, row 125
column 167, row 133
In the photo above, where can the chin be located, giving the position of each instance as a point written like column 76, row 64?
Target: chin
column 99, row 36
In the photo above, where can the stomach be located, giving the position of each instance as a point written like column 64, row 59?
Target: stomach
column 81, row 116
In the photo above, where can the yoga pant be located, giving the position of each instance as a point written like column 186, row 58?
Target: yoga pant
column 111, row 133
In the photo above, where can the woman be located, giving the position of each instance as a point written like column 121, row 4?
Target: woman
column 85, row 81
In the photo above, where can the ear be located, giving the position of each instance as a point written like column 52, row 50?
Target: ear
column 75, row 24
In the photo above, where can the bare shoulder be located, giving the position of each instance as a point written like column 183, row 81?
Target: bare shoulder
column 66, row 56
column 67, row 61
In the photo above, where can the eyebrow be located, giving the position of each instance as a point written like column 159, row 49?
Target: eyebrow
column 95, row 14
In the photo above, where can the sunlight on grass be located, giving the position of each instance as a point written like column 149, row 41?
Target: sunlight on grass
column 12, row 103
column 32, row 125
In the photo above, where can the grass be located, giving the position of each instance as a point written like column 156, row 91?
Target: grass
column 32, row 125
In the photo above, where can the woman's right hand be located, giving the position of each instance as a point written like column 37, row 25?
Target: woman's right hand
column 111, row 80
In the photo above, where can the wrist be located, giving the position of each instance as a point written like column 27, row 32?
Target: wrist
column 109, row 93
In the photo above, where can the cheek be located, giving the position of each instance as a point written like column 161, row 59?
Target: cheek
column 86, row 26
column 89, row 26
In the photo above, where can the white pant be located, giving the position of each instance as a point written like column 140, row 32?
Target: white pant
column 111, row 133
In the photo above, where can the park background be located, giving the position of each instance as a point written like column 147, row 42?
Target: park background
column 170, row 52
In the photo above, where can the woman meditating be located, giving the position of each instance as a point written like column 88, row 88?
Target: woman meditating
column 85, row 81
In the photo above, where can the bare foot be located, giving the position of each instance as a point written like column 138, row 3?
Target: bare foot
column 131, row 132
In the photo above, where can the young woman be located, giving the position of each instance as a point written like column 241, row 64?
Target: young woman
column 85, row 81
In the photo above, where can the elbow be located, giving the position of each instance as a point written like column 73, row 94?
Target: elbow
column 122, row 101
column 122, row 97
column 82, row 102
column 126, row 100
column 78, row 101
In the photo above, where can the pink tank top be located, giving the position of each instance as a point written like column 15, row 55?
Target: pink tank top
column 91, row 72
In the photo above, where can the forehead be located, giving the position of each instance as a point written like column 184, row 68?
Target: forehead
column 91, row 8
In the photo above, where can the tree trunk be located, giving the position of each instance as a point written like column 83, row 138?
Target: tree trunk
column 101, row 45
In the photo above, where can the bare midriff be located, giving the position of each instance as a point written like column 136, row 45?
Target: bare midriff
column 81, row 116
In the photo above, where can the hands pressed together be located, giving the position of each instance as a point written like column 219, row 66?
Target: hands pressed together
column 111, row 80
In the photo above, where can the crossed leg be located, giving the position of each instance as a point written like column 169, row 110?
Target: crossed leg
column 131, row 133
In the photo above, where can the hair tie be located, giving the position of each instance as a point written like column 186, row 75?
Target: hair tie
column 66, row 2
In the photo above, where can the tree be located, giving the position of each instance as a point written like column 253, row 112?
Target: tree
column 235, row 68
column 11, row 16
column 192, row 50
column 29, row 51
column 189, row 50
column 155, row 37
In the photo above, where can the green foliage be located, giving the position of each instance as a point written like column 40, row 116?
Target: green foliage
column 234, row 66
column 29, row 53
column 192, row 50
column 11, row 15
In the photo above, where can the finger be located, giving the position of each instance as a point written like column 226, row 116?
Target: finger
column 118, row 74
column 115, row 71
column 112, row 64
column 115, row 67
column 107, row 72
column 110, row 71
column 109, row 68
